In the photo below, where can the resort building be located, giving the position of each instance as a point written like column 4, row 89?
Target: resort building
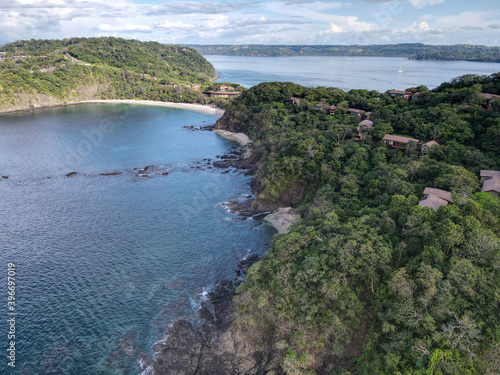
column 491, row 182
column 435, row 198
column 428, row 145
column 406, row 95
column 364, row 128
column 356, row 112
column 294, row 100
column 333, row 110
column 397, row 141
column 490, row 99
column 321, row 106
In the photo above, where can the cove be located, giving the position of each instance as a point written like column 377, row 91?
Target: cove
column 106, row 260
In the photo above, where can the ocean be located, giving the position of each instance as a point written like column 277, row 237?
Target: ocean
column 104, row 262
column 346, row 73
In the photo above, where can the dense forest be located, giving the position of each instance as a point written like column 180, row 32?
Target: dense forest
column 369, row 281
column 102, row 68
column 416, row 51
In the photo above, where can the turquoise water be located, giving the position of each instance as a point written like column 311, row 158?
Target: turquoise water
column 346, row 73
column 105, row 262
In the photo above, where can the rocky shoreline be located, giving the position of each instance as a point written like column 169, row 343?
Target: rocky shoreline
column 212, row 346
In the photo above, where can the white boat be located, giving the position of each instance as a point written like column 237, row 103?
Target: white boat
column 400, row 69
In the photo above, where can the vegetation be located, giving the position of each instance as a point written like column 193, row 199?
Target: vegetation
column 416, row 51
column 107, row 68
column 369, row 282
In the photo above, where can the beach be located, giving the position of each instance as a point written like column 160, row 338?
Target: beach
column 282, row 219
column 56, row 103
column 241, row 138
column 188, row 106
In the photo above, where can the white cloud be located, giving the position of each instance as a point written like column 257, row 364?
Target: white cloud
column 342, row 24
column 215, row 21
column 334, row 29
column 175, row 25
column 417, row 27
column 124, row 27
column 419, row 4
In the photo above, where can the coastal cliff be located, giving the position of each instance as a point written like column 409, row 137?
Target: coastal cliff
column 30, row 101
column 291, row 196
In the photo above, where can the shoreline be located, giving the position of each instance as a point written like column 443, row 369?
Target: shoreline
column 282, row 219
column 241, row 138
column 187, row 106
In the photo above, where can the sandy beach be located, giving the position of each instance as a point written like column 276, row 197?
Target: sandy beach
column 187, row 106
column 282, row 219
column 239, row 137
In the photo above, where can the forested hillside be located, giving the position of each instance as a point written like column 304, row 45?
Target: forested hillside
column 415, row 51
column 100, row 68
column 369, row 281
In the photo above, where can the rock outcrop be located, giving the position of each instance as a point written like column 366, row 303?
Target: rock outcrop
column 30, row 101
column 215, row 347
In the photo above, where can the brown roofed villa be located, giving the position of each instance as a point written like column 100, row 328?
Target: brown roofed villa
column 398, row 141
column 491, row 182
column 435, row 198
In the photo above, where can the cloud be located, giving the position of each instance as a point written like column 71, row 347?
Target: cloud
column 125, row 27
column 343, row 24
column 494, row 26
column 192, row 7
column 469, row 28
column 419, row 28
column 314, row 4
column 175, row 25
column 251, row 21
column 419, row 4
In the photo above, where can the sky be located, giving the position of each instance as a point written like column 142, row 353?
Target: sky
column 256, row 22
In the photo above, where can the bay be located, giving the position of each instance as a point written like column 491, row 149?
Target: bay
column 346, row 73
column 104, row 263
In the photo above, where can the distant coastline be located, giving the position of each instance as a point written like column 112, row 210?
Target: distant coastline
column 411, row 51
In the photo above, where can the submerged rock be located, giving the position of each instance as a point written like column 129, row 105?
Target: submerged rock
column 110, row 173
column 71, row 174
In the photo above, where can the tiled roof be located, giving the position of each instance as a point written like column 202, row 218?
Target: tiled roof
column 367, row 123
column 493, row 184
column 489, row 173
column 490, row 96
column 398, row 138
column 355, row 110
column 433, row 202
column 430, row 144
column 439, row 193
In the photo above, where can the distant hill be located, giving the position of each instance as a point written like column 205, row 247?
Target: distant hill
column 48, row 72
column 414, row 51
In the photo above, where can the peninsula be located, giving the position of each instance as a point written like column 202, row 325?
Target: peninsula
column 43, row 73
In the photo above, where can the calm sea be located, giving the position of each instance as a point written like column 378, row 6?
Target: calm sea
column 103, row 263
column 346, row 73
